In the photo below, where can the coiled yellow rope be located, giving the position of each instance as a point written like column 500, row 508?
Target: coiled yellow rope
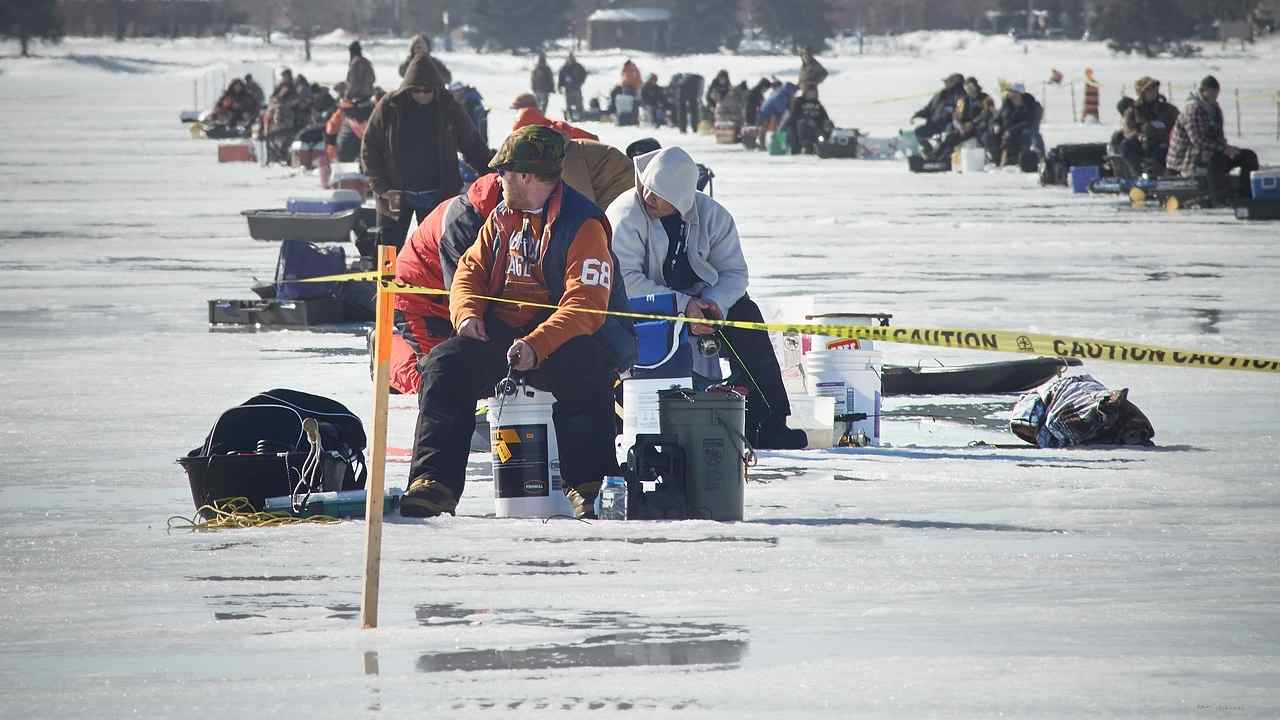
column 237, row 512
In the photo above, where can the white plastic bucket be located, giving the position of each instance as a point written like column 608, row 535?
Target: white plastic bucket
column 969, row 158
column 640, row 409
column 822, row 343
column 852, row 378
column 816, row 417
column 526, row 458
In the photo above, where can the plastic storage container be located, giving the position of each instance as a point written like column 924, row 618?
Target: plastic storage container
column 236, row 151
column 816, row 417
column 709, row 426
column 1082, row 176
column 335, row 201
column 1265, row 184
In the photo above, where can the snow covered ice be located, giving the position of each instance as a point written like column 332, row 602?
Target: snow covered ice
column 924, row 579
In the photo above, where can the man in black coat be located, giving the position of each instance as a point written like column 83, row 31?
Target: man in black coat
column 937, row 113
column 1016, row 126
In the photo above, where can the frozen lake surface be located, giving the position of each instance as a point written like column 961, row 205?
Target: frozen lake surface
column 928, row 578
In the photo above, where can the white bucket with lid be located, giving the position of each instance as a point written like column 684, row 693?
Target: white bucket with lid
column 816, row 417
column 853, row 379
column 821, row 343
column 640, row 409
column 970, row 157
column 526, row 458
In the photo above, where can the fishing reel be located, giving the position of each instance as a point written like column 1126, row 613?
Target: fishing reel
column 708, row 345
column 507, row 386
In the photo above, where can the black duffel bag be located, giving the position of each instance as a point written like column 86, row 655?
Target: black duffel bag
column 1059, row 161
column 260, row 449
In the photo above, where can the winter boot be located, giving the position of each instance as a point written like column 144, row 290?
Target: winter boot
column 427, row 498
column 773, row 434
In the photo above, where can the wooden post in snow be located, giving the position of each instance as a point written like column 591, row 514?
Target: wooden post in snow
column 1239, row 127
column 1073, row 101
column 376, row 485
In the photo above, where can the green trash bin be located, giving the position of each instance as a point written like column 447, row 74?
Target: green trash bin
column 709, row 426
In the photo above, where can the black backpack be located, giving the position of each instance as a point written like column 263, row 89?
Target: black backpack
column 1059, row 161
column 259, row 449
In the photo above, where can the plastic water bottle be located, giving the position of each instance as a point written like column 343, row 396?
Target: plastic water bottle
column 611, row 503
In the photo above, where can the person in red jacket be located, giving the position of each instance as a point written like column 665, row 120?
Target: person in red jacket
column 429, row 259
column 544, row 244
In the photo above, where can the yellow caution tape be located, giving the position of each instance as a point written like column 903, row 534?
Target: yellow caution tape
column 960, row 338
column 900, row 98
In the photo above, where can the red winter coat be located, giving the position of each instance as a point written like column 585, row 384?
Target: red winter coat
column 422, row 321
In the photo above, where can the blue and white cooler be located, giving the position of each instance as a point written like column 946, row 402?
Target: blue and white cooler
column 665, row 361
column 1265, row 184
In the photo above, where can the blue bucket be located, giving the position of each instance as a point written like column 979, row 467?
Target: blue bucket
column 1082, row 176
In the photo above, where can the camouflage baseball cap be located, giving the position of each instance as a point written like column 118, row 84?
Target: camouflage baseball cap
column 532, row 148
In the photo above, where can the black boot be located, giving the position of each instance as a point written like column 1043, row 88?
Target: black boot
column 773, row 434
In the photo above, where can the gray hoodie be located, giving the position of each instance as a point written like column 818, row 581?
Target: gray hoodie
column 640, row 242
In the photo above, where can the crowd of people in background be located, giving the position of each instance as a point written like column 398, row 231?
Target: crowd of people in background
column 637, row 218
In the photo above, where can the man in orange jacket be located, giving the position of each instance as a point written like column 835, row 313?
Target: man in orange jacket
column 546, row 244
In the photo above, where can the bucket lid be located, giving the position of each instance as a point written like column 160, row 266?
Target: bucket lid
column 690, row 396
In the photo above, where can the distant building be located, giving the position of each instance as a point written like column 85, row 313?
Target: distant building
column 629, row 28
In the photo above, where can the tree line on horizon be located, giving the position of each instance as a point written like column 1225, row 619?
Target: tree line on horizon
column 696, row 25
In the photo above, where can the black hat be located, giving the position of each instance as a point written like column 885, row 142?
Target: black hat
column 642, row 146
column 1208, row 82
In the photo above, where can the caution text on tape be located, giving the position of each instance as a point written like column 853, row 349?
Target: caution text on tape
column 958, row 338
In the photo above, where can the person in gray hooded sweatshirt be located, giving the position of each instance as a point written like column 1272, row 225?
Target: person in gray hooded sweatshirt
column 669, row 238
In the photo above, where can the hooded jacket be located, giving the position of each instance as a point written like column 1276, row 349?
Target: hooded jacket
column 452, row 129
column 598, row 171
column 541, row 79
column 641, row 242
column 574, row 269
column 360, row 78
column 421, row 45
column 1151, row 122
column 811, row 71
column 1197, row 134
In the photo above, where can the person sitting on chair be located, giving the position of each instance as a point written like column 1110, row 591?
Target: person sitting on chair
column 973, row 115
column 938, row 112
column 669, row 238
column 1016, row 128
column 1198, row 141
column 1147, row 124
column 543, row 245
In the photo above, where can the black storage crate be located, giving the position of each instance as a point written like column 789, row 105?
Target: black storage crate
column 1257, row 209
column 289, row 313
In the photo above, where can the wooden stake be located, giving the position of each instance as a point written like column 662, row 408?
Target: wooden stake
column 376, row 485
column 1239, row 130
column 1073, row 100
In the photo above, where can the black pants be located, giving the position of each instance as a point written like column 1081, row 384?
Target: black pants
column 460, row 371
column 956, row 139
column 930, row 129
column 753, row 364
column 1142, row 157
column 395, row 230
column 1219, row 167
column 687, row 114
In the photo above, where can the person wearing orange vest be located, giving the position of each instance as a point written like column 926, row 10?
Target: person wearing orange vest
column 544, row 245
